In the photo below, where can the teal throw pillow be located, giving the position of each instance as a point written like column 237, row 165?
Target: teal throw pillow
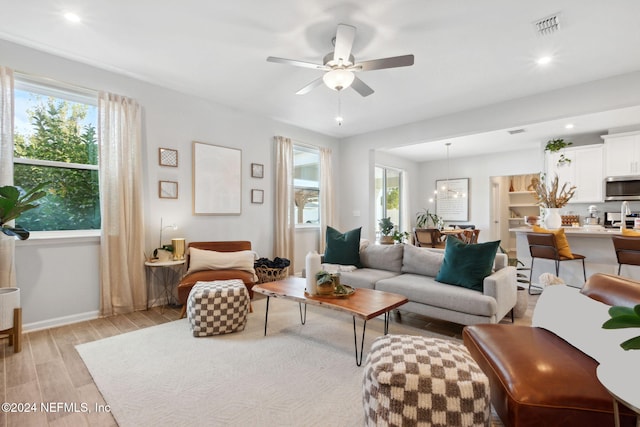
column 343, row 248
column 467, row 265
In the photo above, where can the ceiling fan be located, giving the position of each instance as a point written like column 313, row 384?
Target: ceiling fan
column 340, row 65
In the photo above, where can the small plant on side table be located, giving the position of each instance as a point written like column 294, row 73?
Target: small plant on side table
column 386, row 229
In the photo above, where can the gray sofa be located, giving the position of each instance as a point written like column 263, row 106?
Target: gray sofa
column 411, row 271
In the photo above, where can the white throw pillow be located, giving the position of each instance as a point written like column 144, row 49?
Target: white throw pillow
column 200, row 259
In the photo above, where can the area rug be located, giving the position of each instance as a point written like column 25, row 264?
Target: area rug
column 297, row 375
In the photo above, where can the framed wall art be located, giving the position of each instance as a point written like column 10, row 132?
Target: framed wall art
column 257, row 196
column 452, row 203
column 257, row 170
column 168, row 189
column 168, row 157
column 217, row 180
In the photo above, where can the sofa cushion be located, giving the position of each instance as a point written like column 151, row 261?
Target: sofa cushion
column 365, row 277
column 421, row 261
column 467, row 265
column 425, row 290
column 382, row 257
column 342, row 248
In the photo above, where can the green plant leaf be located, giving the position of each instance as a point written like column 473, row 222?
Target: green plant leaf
column 622, row 322
column 637, row 309
column 631, row 344
column 618, row 310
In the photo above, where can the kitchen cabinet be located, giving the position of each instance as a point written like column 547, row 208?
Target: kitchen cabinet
column 585, row 171
column 622, row 154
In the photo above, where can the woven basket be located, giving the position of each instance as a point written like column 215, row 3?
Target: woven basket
column 268, row 274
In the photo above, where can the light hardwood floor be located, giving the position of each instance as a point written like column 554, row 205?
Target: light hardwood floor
column 49, row 370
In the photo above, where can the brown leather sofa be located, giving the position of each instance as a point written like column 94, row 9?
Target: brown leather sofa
column 190, row 279
column 538, row 379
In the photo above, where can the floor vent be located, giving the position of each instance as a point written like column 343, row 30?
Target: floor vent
column 516, row 131
column 548, row 25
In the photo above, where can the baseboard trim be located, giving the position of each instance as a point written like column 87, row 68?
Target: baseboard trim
column 60, row 321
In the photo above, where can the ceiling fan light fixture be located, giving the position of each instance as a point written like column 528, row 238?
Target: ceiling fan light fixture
column 338, row 79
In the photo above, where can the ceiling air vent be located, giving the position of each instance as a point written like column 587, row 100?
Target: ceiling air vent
column 548, row 25
column 516, row 131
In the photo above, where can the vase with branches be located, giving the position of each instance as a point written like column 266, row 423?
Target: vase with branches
column 552, row 198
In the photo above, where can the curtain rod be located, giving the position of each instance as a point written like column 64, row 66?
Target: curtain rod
column 37, row 78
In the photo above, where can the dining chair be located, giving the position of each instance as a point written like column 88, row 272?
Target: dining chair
column 543, row 245
column 428, row 237
column 470, row 236
column 627, row 250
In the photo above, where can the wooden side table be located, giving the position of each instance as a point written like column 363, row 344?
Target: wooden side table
column 167, row 273
column 622, row 384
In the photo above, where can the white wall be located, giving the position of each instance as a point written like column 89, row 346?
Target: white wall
column 171, row 120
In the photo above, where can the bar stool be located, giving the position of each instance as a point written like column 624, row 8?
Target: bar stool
column 544, row 245
column 627, row 250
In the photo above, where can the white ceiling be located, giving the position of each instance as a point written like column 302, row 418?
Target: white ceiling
column 467, row 53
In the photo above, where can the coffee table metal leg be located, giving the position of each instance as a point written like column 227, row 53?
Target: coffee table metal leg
column 266, row 317
column 387, row 316
column 303, row 319
column 355, row 340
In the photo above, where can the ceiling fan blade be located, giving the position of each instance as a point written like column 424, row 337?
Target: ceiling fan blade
column 361, row 87
column 344, row 42
column 308, row 88
column 295, row 63
column 379, row 64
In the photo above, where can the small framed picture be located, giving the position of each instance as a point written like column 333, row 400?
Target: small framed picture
column 257, row 170
column 257, row 196
column 168, row 157
column 168, row 189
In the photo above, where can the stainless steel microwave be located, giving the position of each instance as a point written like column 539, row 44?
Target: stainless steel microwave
column 622, row 188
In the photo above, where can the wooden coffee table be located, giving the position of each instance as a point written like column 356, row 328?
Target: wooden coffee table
column 363, row 303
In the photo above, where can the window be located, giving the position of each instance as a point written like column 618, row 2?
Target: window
column 55, row 141
column 306, row 183
column 388, row 193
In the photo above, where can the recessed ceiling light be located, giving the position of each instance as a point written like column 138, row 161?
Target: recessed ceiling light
column 568, row 126
column 544, row 60
column 72, row 17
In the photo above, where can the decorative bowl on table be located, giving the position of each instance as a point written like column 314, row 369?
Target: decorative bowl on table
column 532, row 220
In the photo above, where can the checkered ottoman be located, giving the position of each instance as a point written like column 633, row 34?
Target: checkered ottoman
column 418, row 381
column 217, row 307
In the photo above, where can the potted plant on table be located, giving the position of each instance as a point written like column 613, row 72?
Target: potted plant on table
column 325, row 282
column 386, row 229
column 424, row 217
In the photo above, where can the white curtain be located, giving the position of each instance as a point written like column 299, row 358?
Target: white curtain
column 122, row 278
column 7, row 244
column 285, row 221
column 327, row 211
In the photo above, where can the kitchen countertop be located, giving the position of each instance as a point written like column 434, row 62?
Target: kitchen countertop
column 591, row 231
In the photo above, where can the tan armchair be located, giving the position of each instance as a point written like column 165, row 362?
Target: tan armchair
column 190, row 279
